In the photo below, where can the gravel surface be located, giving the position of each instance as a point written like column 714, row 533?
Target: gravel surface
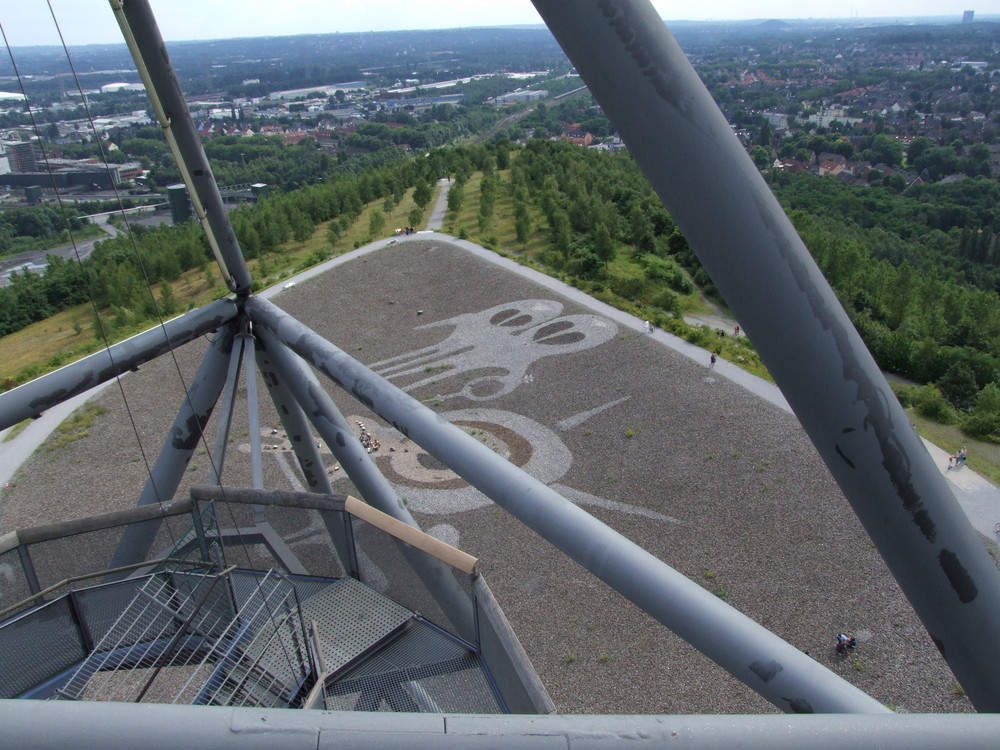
column 718, row 483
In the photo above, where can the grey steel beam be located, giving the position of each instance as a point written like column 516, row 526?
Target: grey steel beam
column 278, row 365
column 31, row 399
column 85, row 725
column 649, row 90
column 150, row 54
column 778, row 671
column 253, row 412
column 310, row 462
column 184, row 436
column 253, row 426
column 224, row 423
column 28, row 568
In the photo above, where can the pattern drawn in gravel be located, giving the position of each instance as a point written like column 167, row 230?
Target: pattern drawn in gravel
column 717, row 483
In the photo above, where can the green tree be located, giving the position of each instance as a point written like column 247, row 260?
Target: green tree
column 604, row 246
column 522, row 227
column 561, row 229
column 918, row 147
column 415, row 217
column 764, row 136
column 168, row 302
column 984, row 421
column 333, row 232
column 958, row 385
column 376, row 222
column 455, row 198
column 887, row 150
column 761, row 156
column 422, row 194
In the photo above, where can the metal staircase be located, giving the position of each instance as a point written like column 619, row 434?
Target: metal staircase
column 187, row 632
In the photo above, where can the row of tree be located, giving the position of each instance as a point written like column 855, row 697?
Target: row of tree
column 924, row 299
column 33, row 227
column 122, row 272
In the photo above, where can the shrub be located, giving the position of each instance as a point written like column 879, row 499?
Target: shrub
column 907, row 394
column 984, row 426
column 958, row 385
column 667, row 301
column 984, row 421
column 585, row 264
column 931, row 404
column 701, row 336
column 626, row 282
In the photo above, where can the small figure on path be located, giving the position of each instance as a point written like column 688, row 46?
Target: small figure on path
column 649, row 327
column 711, row 361
column 736, row 330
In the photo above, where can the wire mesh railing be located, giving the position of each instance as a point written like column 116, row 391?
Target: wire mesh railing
column 176, row 629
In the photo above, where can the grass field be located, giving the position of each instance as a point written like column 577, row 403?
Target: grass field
column 984, row 458
column 69, row 334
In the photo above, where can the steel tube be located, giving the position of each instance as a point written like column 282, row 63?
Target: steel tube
column 278, row 364
column 677, row 134
column 31, row 399
column 253, row 414
column 150, row 53
column 778, row 671
column 310, row 463
column 85, row 725
column 183, row 438
column 224, row 423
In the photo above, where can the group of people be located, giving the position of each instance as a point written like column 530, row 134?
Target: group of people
column 405, row 230
column 958, row 459
column 368, row 440
column 845, row 643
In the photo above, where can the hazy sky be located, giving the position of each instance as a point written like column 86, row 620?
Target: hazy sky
column 28, row 22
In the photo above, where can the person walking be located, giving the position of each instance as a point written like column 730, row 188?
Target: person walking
column 711, row 361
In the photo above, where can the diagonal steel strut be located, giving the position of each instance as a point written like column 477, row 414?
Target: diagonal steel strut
column 682, row 142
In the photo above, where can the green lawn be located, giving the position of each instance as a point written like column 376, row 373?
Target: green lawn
column 984, row 458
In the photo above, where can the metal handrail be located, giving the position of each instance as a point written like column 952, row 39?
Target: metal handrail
column 76, row 579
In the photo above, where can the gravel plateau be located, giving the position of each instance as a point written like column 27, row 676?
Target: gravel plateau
column 721, row 485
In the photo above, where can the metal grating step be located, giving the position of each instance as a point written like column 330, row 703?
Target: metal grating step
column 421, row 670
column 351, row 618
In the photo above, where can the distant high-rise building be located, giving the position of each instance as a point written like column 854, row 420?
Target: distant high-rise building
column 22, row 157
column 969, row 16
